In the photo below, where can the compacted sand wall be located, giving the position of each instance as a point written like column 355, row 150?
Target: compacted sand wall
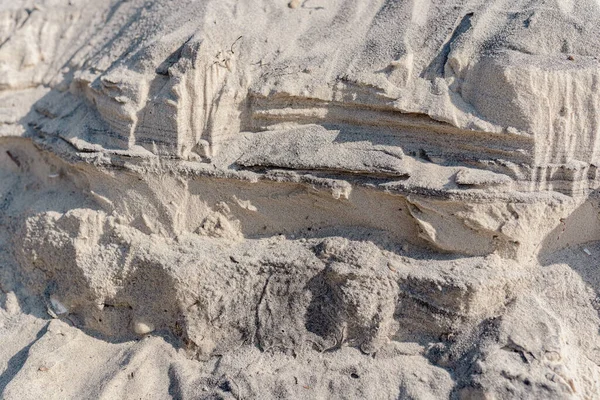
column 313, row 199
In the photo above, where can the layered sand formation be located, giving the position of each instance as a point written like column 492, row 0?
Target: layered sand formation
column 305, row 199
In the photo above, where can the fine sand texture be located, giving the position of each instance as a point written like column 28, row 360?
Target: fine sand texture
column 305, row 199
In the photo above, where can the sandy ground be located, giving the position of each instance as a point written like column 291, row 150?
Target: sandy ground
column 305, row 199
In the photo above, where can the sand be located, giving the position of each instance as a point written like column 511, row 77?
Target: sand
column 300, row 199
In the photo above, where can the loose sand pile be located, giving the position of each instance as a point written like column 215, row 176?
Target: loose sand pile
column 299, row 200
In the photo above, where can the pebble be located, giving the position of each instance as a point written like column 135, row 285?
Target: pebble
column 58, row 307
column 142, row 328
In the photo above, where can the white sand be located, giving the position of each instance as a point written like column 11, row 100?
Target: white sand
column 306, row 199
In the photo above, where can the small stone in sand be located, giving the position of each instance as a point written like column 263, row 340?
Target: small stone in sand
column 142, row 328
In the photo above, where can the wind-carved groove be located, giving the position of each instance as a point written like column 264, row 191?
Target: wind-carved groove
column 437, row 66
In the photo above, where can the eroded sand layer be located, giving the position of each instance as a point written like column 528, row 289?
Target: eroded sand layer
column 306, row 199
